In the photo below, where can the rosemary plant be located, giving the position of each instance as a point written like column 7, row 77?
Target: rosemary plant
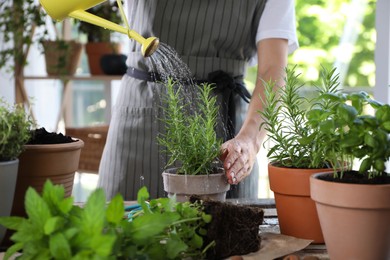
column 295, row 142
column 190, row 138
column 15, row 127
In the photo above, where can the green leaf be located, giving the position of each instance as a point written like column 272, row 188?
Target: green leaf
column 370, row 120
column 142, row 196
column 53, row 224
column 12, row 223
column 351, row 140
column 66, row 205
column 306, row 140
column 70, row 233
column 365, row 165
column 370, row 140
column 147, row 226
column 383, row 113
column 386, row 126
column 175, row 246
column 202, row 231
column 379, row 165
column 346, row 112
column 103, row 244
column 332, row 97
column 12, row 250
column 206, row 217
column 59, row 247
column 94, row 212
column 36, row 208
column 115, row 210
column 197, row 241
column 328, row 126
column 28, row 231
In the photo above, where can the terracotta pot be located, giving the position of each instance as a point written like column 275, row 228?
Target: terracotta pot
column 95, row 51
column 62, row 59
column 355, row 218
column 211, row 186
column 297, row 212
column 57, row 162
column 8, row 175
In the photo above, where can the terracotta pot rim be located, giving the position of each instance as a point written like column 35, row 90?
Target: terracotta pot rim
column 349, row 195
column 272, row 164
column 64, row 146
column 316, row 177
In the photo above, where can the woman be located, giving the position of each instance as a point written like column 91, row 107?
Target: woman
column 217, row 39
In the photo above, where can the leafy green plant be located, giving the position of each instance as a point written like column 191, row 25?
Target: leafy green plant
column 55, row 228
column 359, row 125
column 190, row 138
column 295, row 143
column 15, row 126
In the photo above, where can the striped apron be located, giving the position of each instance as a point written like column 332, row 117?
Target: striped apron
column 210, row 36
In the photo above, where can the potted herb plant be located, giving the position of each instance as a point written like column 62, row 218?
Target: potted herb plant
column 62, row 56
column 15, row 127
column 354, row 204
column 19, row 21
column 46, row 155
column 99, row 42
column 191, row 143
column 296, row 152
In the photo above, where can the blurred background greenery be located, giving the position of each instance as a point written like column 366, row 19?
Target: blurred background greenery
column 338, row 33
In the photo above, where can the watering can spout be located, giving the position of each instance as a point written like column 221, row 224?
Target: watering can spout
column 76, row 9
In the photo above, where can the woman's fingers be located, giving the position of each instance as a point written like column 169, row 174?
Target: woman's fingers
column 236, row 161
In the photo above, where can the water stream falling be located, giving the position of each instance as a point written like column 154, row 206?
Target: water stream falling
column 166, row 63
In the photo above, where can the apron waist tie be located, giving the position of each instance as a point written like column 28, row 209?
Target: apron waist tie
column 222, row 80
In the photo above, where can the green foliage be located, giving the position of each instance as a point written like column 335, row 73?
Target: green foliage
column 360, row 134
column 15, row 126
column 190, row 136
column 320, row 24
column 57, row 229
column 108, row 10
column 17, row 21
column 295, row 143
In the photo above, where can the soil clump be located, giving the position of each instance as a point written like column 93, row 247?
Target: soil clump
column 234, row 228
column 41, row 136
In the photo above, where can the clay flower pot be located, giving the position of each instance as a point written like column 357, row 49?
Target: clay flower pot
column 57, row 162
column 211, row 186
column 355, row 218
column 297, row 212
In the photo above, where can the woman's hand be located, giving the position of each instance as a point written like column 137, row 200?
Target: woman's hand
column 238, row 156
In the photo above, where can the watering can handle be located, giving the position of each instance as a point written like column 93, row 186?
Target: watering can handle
column 96, row 20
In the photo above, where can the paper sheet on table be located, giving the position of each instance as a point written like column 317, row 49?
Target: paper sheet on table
column 276, row 245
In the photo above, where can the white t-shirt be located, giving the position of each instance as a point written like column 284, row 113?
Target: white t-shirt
column 278, row 21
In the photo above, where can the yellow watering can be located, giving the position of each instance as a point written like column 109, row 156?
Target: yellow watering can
column 61, row 9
